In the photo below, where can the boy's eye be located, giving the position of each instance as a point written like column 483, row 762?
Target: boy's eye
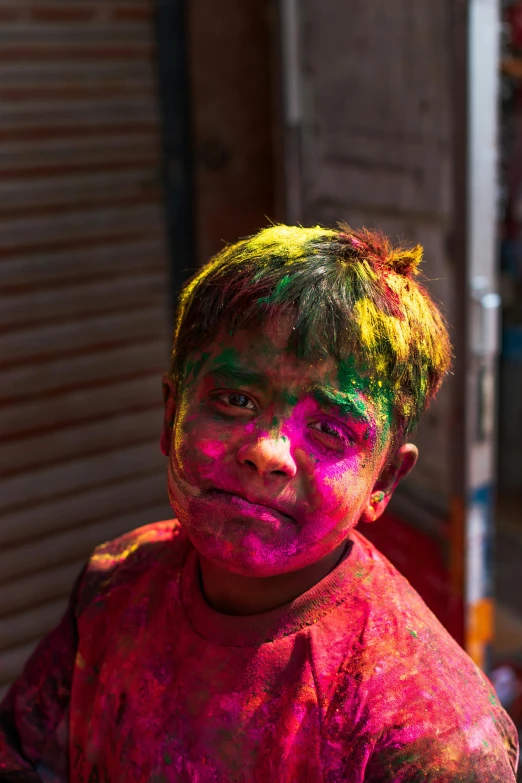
column 237, row 400
column 332, row 430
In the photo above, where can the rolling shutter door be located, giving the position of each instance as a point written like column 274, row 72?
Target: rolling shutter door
column 84, row 328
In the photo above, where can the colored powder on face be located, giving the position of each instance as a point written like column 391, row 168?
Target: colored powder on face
column 350, row 377
column 290, row 399
column 228, row 357
column 193, row 368
column 213, row 448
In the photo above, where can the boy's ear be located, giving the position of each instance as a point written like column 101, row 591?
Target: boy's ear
column 394, row 471
column 169, row 402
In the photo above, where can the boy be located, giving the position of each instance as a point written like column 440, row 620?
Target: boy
column 260, row 637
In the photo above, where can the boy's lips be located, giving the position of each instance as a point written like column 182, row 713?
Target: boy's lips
column 252, row 505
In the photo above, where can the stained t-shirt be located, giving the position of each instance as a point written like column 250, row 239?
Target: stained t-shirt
column 353, row 681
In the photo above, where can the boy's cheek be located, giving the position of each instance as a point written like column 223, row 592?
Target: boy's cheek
column 198, row 458
column 340, row 487
column 329, row 500
column 306, row 460
column 198, row 434
column 201, row 455
column 210, row 449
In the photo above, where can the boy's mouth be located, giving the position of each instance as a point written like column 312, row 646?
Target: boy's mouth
column 251, row 507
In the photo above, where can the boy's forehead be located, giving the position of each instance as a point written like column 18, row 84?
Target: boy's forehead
column 268, row 355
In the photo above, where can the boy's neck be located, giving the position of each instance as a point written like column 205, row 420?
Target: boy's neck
column 233, row 594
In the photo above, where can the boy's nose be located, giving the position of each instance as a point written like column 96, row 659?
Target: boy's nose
column 268, row 456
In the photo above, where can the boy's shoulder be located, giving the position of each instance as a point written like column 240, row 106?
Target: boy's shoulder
column 387, row 591
column 396, row 616
column 121, row 548
column 125, row 559
column 399, row 638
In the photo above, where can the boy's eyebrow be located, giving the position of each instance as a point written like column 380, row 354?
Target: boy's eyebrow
column 347, row 404
column 236, row 374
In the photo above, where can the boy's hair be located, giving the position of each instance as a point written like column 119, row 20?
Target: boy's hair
column 348, row 293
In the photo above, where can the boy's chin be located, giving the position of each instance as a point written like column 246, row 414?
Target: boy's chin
column 248, row 546
column 243, row 551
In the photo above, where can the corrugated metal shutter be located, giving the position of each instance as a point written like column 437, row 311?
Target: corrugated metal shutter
column 83, row 320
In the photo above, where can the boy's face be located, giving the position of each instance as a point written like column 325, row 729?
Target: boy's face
column 273, row 459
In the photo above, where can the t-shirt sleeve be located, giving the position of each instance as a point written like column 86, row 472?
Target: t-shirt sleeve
column 484, row 751
column 34, row 716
